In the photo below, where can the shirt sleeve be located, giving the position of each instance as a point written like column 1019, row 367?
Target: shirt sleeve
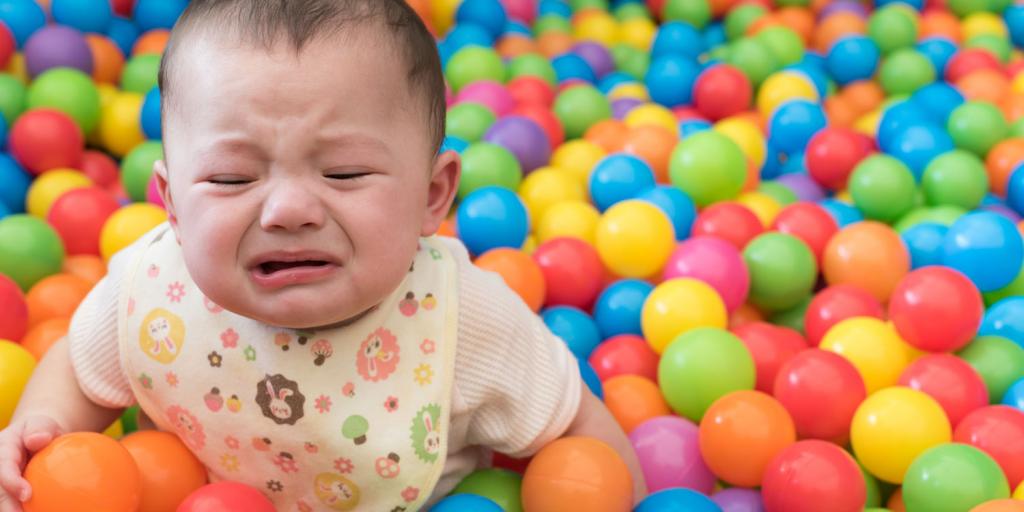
column 520, row 383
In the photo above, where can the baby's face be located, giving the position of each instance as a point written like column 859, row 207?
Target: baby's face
column 299, row 184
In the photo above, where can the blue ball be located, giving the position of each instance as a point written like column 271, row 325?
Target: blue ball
column 466, row 34
column 466, row 503
column 557, row 7
column 575, row 327
column 991, row 199
column 677, row 499
column 151, row 115
column 489, row 14
column 938, row 50
column 3, row 132
column 677, row 38
column 570, row 66
column 796, row 163
column 124, row 33
column 518, row 27
column 591, row 379
column 619, row 177
column 15, row 182
column 613, row 79
column 714, row 35
column 84, row 15
column 1005, row 318
column 924, row 242
column 986, row 247
column 455, row 144
column 618, row 308
column 844, row 214
column 938, row 100
column 896, row 118
column 670, row 80
column 1014, row 18
column 23, row 17
column 4, row 211
column 852, row 58
column 492, row 217
column 1015, row 190
column 773, row 164
column 917, row 145
column 151, row 14
column 1014, row 396
column 916, row 4
column 680, row 209
column 814, row 72
column 692, row 126
column 794, row 123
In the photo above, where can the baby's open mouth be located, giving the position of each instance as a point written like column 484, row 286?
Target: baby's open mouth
column 272, row 267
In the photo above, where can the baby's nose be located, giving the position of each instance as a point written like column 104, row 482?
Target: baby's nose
column 291, row 206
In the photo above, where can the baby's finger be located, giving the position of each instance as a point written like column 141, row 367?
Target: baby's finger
column 9, row 504
column 12, row 458
column 14, row 486
column 39, row 432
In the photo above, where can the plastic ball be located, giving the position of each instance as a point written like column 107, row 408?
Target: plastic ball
column 782, row 271
column 781, row 87
column 873, row 347
column 977, row 126
column 471, row 64
column 670, row 79
column 469, row 121
column 619, row 177
column 634, row 238
column 793, row 124
column 709, row 167
column 624, row 355
column 883, row 188
column 84, row 15
column 950, row 381
column 677, row 500
column 492, row 217
column 124, row 33
column 462, row 502
column 1014, row 396
column 579, row 108
column 590, row 378
column 770, row 346
column 577, row 472
column 519, row 271
column 678, row 306
column 996, row 431
column 1003, row 319
column 651, row 114
column 998, row 360
column 50, row 186
column 524, row 138
column 69, row 91
column 808, row 473
column 700, row 367
column 137, row 168
column 632, row 400
column 23, row 18
column 501, row 486
column 16, row 184
column 29, row 250
column 57, row 46
column 128, row 224
column 13, row 310
column 821, row 391
column 572, row 218
column 833, row 153
column 835, row 304
column 119, row 127
column 56, row 296
column 578, row 157
column 953, row 477
column 754, row 59
column 140, row 73
column 893, row 27
column 715, row 262
column 44, row 139
column 547, row 187
column 168, row 470
column 226, row 495
column 733, row 451
column 721, row 91
column 936, row 309
column 114, row 482
column 619, row 306
column 748, row 136
column 576, row 328
column 677, row 38
column 956, row 178
column 808, row 222
column 728, row 221
column 938, row 100
column 488, row 165
column 868, row 255
column 100, row 168
column 986, row 247
column 571, row 67
column 676, row 205
column 17, row 365
column 491, row 94
column 40, row 338
column 852, row 58
column 489, row 14
column 572, row 271
column 152, row 14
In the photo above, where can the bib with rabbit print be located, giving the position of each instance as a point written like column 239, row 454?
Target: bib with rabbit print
column 349, row 418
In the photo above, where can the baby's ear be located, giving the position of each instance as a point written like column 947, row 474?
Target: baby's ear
column 444, row 184
column 163, row 186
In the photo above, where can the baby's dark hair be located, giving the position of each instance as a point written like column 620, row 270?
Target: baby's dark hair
column 266, row 22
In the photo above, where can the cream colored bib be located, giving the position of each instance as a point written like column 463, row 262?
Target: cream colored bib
column 352, row 418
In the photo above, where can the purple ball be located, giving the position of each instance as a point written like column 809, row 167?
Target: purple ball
column 1004, row 211
column 738, row 500
column 597, row 56
column 852, row 6
column 524, row 138
column 668, row 449
column 805, row 188
column 622, row 106
column 57, row 46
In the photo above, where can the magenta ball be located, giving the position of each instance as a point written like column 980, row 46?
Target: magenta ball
column 597, row 56
column 738, row 500
column 489, row 94
column 524, row 138
column 803, row 185
column 717, row 263
column 521, row 10
column 668, row 449
column 57, row 46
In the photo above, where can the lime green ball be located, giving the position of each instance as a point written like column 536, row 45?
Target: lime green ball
column 501, row 486
column 964, row 7
column 998, row 46
column 628, row 12
column 784, row 44
column 779, row 192
column 998, row 360
column 883, row 188
column 720, row 53
column 632, row 61
column 70, row 91
column 485, row 164
column 999, row 5
column 793, row 317
column 140, row 73
column 1017, row 128
column 874, row 493
column 532, row 64
column 953, row 476
column 702, row 365
column 12, row 97
column 753, row 58
column 1016, row 287
column 469, row 121
column 956, row 178
column 893, row 27
column 694, row 12
column 579, row 5
column 782, row 271
column 740, row 18
column 137, row 168
column 29, row 250
column 977, row 126
column 905, row 71
column 551, row 23
column 471, row 64
column 945, row 215
column 709, row 167
column 579, row 108
column 792, row 3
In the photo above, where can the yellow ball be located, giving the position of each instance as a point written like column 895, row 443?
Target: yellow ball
column 530, row 245
column 578, row 157
column 16, row 365
column 763, row 205
column 873, row 347
column 629, row 90
column 782, row 87
column 638, row 33
column 120, row 126
column 747, row 136
column 442, row 13
column 547, row 186
column 845, row 197
column 678, row 306
column 892, row 427
column 867, row 124
column 1017, row 85
column 652, row 114
column 596, row 25
column 575, row 219
column 127, row 224
column 115, row 430
column 107, row 94
column 16, row 66
column 1019, row 493
column 49, row 186
column 634, row 238
column 983, row 23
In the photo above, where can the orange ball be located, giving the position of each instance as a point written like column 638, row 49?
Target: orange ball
column 447, row 228
column 91, row 471
column 1004, row 505
column 895, row 503
column 633, row 399
column 40, row 338
column 745, row 314
column 154, row 41
column 423, row 10
column 610, row 134
column 984, row 85
column 553, row 44
column 798, row 20
column 768, row 20
column 107, row 59
column 868, row 255
column 168, row 469
column 741, row 433
column 520, row 272
column 514, row 45
column 939, row 23
column 1012, row 106
column 835, row 27
column 654, row 145
column 863, row 95
column 55, row 296
column 86, row 266
column 1002, row 159
column 720, row 7
column 577, row 473
column 840, row 112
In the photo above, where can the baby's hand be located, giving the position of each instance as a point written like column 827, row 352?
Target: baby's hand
column 18, row 442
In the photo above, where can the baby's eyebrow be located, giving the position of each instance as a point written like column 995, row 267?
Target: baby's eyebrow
column 237, row 145
column 352, row 139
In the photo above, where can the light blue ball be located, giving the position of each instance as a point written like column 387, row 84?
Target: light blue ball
column 22, row 17
column 3, row 133
column 1014, row 18
column 681, row 210
column 466, row 503
column 576, row 328
column 925, row 242
column 796, row 163
column 4, row 211
column 677, row 38
column 452, row 143
column 852, row 58
column 677, row 499
column 714, row 35
column 1014, row 396
column 917, row 145
column 151, row 115
column 84, row 15
column 897, row 118
column 467, row 34
column 1015, row 190
column 938, row 50
column 151, row 14
column 591, row 379
column 492, row 217
column 556, row 7
column 619, row 177
column 794, row 123
column 938, row 100
column 691, row 126
column 518, row 27
column 618, row 308
column 570, row 66
column 15, row 182
column 124, row 33
column 613, row 79
column 986, row 247
column 844, row 214
column 670, row 80
column 1005, row 318
column 489, row 14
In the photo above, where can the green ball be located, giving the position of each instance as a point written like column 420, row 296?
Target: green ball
column 998, row 360
column 702, row 365
column 793, row 317
column 469, row 121
column 579, row 108
column 709, row 167
column 893, row 27
column 945, row 215
column 874, row 493
column 793, row 3
column 579, row 5
column 137, row 168
column 628, row 12
column 29, row 250
column 955, row 178
column 694, row 12
column 964, row 7
column 753, row 58
column 551, row 23
column 977, row 126
column 632, row 61
column 740, row 18
column 130, row 419
column 720, row 53
column 532, row 64
column 951, row 478
column 485, row 164
column 782, row 271
column 140, row 73
column 12, row 97
column 999, row 5
column 883, row 188
column 471, row 64
column 779, row 192
column 1016, row 287
column 905, row 71
column 998, row 46
column 70, row 91
column 501, row 486
column 784, row 44
column 1017, row 128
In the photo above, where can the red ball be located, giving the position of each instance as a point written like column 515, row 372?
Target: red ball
column 544, row 118
column 953, row 383
column 684, row 113
column 13, row 310
column 832, row 153
column 625, row 354
column 835, row 304
column 226, row 496
column 770, row 346
column 936, row 309
column 7, row 45
column 123, row 7
column 808, row 222
column 721, row 91
column 821, row 390
column 502, row 461
column 100, row 168
column 44, row 139
column 530, row 90
column 997, row 430
column 808, row 474
column 729, row 221
column 572, row 271
column 968, row 61
column 78, row 217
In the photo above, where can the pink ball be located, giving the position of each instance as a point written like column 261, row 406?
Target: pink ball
column 153, row 193
column 717, row 263
column 489, row 94
column 521, row 10
column 669, row 453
